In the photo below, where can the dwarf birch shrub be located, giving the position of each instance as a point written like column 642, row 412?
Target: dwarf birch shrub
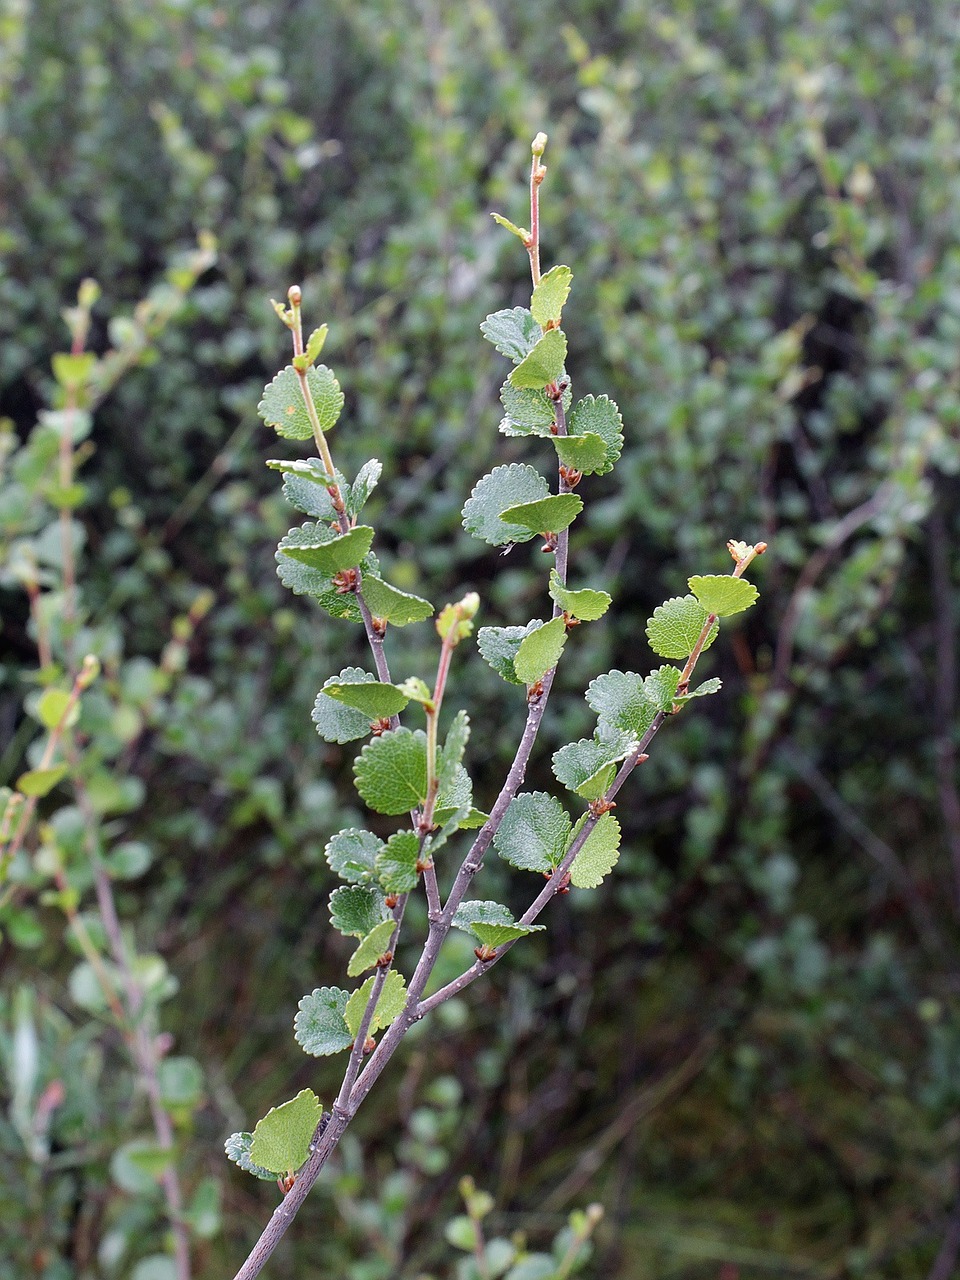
column 419, row 767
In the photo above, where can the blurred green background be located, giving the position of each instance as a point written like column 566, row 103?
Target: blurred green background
column 746, row 1044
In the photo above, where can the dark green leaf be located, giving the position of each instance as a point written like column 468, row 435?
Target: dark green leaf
column 620, row 700
column 320, row 1027
column 502, row 487
column 355, row 909
column 491, row 923
column 534, row 833
column 397, row 863
column 599, row 415
column 336, row 722
column 391, row 771
column 352, row 854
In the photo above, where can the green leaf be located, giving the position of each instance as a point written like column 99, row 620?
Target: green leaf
column 306, row 581
column 540, row 651
column 514, row 333
column 675, row 627
column 352, row 854
column 529, row 412
column 74, row 370
column 371, row 948
column 534, row 833
column 237, row 1148
column 499, row 645
column 708, row 687
column 308, row 493
column 511, row 227
column 376, row 700
column 397, row 863
column 453, row 820
column 416, row 690
column 599, row 854
column 587, row 605
column 315, row 344
column 40, row 782
column 620, row 700
column 599, row 415
column 320, row 1027
column 137, row 1166
column 356, row 495
column 399, row 608
column 391, row 771
column 491, row 923
column 458, row 735
column 550, row 295
column 586, row 454
column 503, row 487
column 181, row 1082
column 336, row 722
column 660, row 687
column 332, row 554
column 587, row 767
column 722, row 594
column 281, row 1140
column 389, row 1006
column 355, row 909
column 544, row 363
column 548, row 515
column 310, row 469
column 51, row 707
column 283, row 406
column 457, row 793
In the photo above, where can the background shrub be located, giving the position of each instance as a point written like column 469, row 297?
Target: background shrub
column 753, row 1031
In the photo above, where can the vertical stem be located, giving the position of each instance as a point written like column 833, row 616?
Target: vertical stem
column 538, row 172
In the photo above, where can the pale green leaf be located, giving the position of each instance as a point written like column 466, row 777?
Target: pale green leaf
column 397, row 862
column 454, row 746
column 675, row 627
column 491, row 923
column 356, row 495
column 320, row 1027
column 336, row 722
column 355, row 909
column 498, row 647
column 52, row 707
column 502, row 487
column 514, row 333
column 389, row 1006
column 371, row 948
column 457, row 793
column 708, row 687
column 534, row 833
column 544, row 363
column 315, row 343
column 309, row 469
column 722, row 594
column 587, row 453
column 548, row 515
column 550, row 295
column 281, row 1140
column 599, row 415
column 599, row 854
column 40, row 782
column 330, row 553
column 391, row 771
column 352, row 854
column 511, row 227
column 376, row 700
column 540, row 651
column 587, row 605
column 416, row 690
column 399, row 608
column 237, row 1148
